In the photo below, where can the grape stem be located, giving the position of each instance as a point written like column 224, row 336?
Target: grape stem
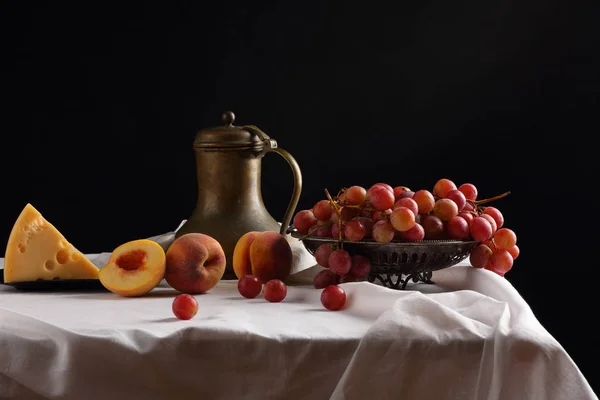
column 483, row 201
column 361, row 207
column 333, row 203
column 338, row 211
column 310, row 232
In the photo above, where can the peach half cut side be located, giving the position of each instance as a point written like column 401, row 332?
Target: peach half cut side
column 134, row 268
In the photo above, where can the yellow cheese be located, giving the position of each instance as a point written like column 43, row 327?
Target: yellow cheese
column 37, row 250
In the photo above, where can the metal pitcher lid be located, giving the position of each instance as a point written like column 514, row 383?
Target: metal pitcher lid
column 227, row 136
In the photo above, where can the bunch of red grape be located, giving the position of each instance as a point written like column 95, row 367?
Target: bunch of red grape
column 384, row 214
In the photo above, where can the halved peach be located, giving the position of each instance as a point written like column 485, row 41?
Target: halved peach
column 134, row 268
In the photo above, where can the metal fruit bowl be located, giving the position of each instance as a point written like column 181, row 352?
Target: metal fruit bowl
column 396, row 263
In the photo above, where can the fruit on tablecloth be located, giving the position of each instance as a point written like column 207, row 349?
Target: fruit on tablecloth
column 195, row 263
column 275, row 291
column 384, row 214
column 333, row 297
column 266, row 255
column 37, row 250
column 249, row 286
column 134, row 268
column 185, row 306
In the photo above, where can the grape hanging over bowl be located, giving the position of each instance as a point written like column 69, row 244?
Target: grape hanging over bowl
column 394, row 235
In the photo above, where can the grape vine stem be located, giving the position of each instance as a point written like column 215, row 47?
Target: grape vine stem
column 483, row 201
column 338, row 211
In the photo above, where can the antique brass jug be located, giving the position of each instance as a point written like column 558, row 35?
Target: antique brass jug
column 228, row 170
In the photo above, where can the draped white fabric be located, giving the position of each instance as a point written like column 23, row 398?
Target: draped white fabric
column 468, row 336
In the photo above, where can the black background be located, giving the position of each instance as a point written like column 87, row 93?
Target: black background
column 101, row 105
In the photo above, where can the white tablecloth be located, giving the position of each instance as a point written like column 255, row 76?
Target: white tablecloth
column 469, row 336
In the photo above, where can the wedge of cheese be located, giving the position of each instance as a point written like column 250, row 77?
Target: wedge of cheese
column 37, row 250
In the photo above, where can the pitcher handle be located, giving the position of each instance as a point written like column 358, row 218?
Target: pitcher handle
column 271, row 147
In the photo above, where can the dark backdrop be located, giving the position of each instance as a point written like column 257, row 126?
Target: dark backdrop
column 101, row 105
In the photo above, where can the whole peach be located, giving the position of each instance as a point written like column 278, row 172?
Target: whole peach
column 195, row 263
column 266, row 255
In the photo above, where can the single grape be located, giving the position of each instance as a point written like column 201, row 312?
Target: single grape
column 496, row 214
column 445, row 209
column 333, row 297
column 481, row 229
column 322, row 254
column 505, row 238
column 361, row 266
column 502, row 261
column 419, row 218
column 490, row 267
column 458, row 197
column 458, row 228
column 442, row 187
column 249, row 286
column 514, row 251
column 325, row 278
column 433, row 227
column 365, row 213
column 334, row 217
column 340, row 262
column 323, row 231
column 402, row 191
column 414, row 234
column 381, row 198
column 184, row 306
column 322, row 210
column 480, row 256
column 467, row 216
column 469, row 190
column 274, row 291
column 402, row 219
column 425, row 201
column 335, row 230
column 354, row 230
column 468, row 207
column 491, row 220
column 385, row 185
column 379, row 215
column 356, row 195
column 304, row 220
column 408, row 203
column 383, row 231
column 368, row 224
column 348, row 213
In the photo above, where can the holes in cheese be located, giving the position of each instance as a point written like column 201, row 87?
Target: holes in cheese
column 49, row 265
column 36, row 250
column 62, row 256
